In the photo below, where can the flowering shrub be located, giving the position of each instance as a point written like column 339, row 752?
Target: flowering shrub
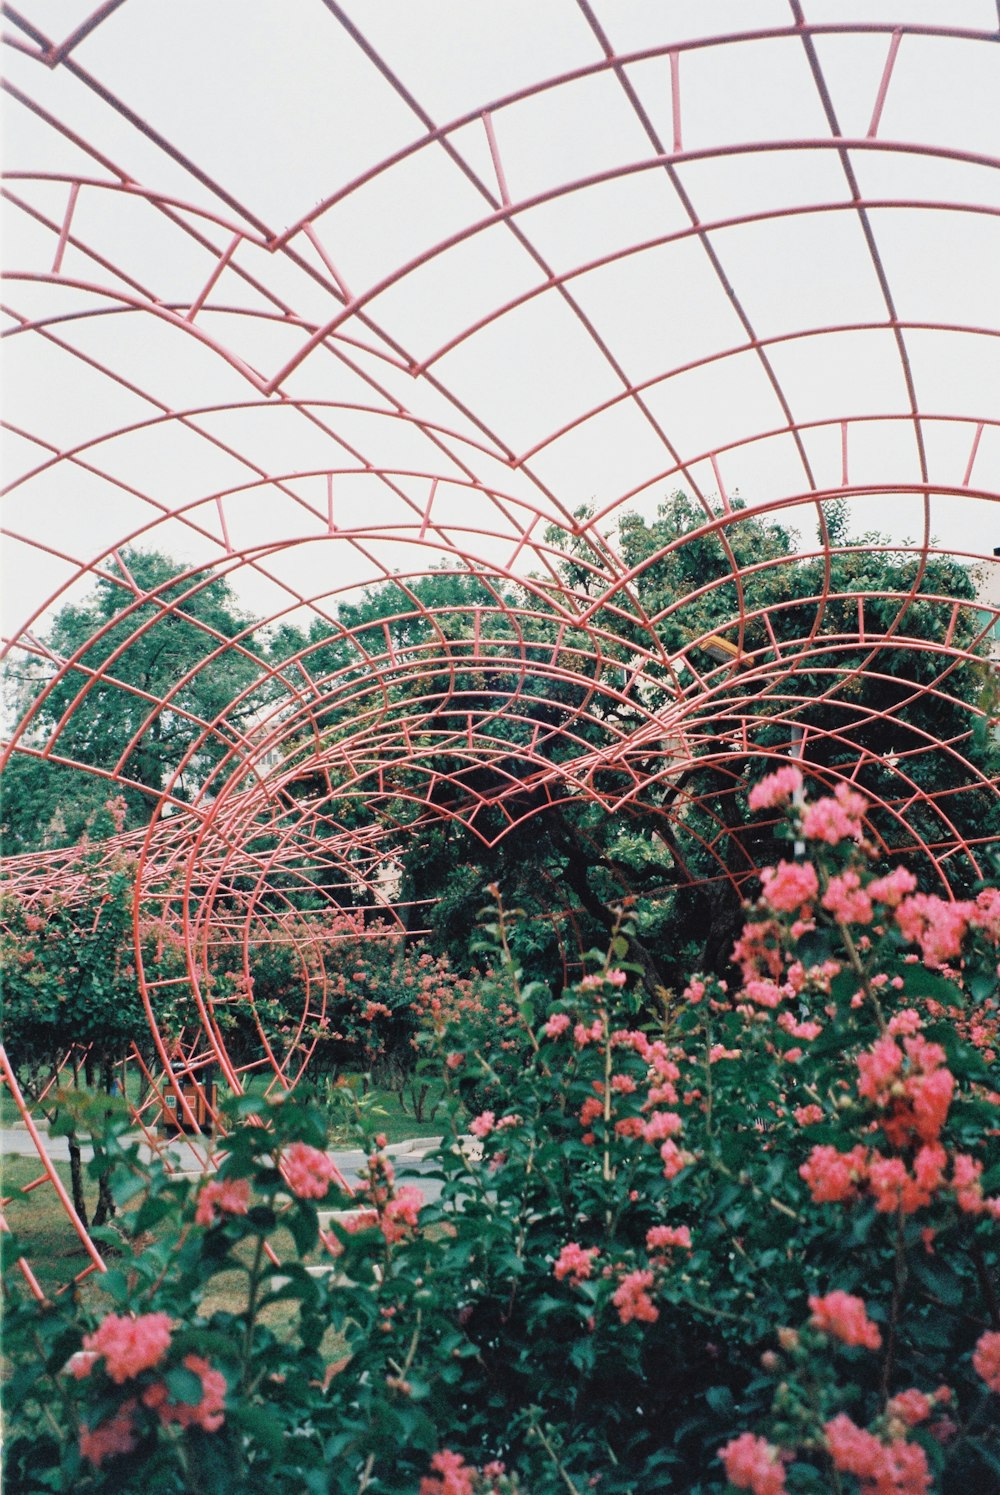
column 351, row 989
column 750, row 1246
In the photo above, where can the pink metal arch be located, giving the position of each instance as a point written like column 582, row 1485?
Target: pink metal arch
column 338, row 428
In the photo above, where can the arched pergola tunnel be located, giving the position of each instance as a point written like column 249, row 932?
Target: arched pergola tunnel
column 415, row 380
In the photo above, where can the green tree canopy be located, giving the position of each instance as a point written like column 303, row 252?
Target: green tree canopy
column 139, row 676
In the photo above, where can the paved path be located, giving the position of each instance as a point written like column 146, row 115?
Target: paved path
column 409, row 1158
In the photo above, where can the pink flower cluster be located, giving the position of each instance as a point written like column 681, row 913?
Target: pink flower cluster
column 664, row 1237
column 763, row 992
column 776, row 789
column 846, row 1318
column 451, row 1476
column 129, row 1345
column 753, row 1464
column 847, row 900
column 913, row 1407
column 557, row 1023
column 632, row 1299
column 895, row 1468
column 401, row 1213
column 836, row 1177
column 986, row 1359
column 481, row 1125
column 660, row 1125
column 757, row 952
column 986, row 914
column 892, row 888
column 116, row 1435
column 206, row 1413
column 226, row 1196
column 835, row 818
column 308, row 1172
column 673, row 1159
column 575, row 1262
column 938, row 926
column 789, row 885
column 806, row 1030
column 911, row 1085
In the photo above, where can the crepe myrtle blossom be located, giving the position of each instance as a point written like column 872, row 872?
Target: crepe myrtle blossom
column 776, row 789
column 893, row 887
column 835, row 818
column 986, row 1359
column 632, row 1299
column 846, row 1318
column 937, row 925
column 401, row 1213
column 451, row 1475
column 910, row 1084
column 894, row 1468
column 834, row 1176
column 764, row 993
column 308, row 1171
column 662, row 1237
column 207, row 1413
column 575, row 1262
column 753, row 1464
column 789, row 885
column 222, row 1196
column 116, row 1435
column 130, row 1345
column 758, row 950
column 660, row 1125
column 846, row 899
column 911, row 1407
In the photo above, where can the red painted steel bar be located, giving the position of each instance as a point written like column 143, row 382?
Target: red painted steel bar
column 333, row 426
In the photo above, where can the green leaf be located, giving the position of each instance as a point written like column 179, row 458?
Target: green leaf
column 304, row 1226
column 940, row 1279
column 990, row 1456
column 183, row 1385
column 125, row 1186
column 115, row 1284
column 261, row 1425
column 720, row 1399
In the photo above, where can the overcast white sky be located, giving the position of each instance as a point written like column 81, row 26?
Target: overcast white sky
column 278, row 105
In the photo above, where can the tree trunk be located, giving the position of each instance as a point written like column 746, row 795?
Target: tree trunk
column 576, row 877
column 105, row 1201
column 724, row 912
column 76, row 1178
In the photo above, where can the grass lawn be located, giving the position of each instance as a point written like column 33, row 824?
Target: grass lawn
column 55, row 1256
column 51, row 1243
column 53, row 1250
column 388, row 1113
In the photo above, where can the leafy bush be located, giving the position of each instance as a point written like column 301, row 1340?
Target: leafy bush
column 756, row 1240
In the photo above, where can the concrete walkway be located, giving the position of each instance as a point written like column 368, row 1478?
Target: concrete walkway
column 409, row 1158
